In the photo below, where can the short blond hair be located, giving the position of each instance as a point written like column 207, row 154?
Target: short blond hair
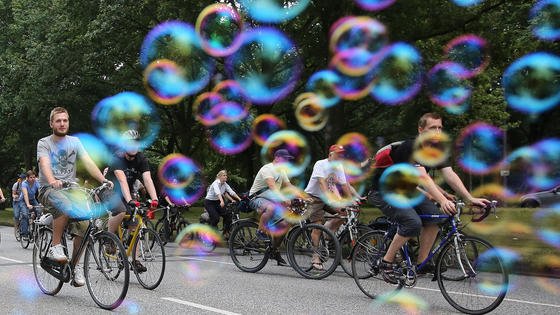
column 57, row 110
column 220, row 173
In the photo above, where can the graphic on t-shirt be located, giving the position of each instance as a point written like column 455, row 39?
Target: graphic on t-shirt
column 61, row 164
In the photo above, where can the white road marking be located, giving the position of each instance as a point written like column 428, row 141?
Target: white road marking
column 208, row 260
column 12, row 260
column 200, row 306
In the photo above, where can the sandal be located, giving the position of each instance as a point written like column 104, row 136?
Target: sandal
column 318, row 266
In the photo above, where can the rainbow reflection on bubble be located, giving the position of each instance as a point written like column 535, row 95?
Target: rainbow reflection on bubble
column 357, row 150
column 97, row 149
column 374, row 5
column 81, row 205
column 178, row 41
column 398, row 186
column 487, row 263
column 494, row 191
column 26, row 284
column 198, row 237
column 432, row 148
column 191, row 271
column 531, row 83
column 470, row 51
column 297, row 146
column 354, row 87
column 447, row 84
column 115, row 115
column 204, row 108
column 357, row 32
column 406, row 301
column 458, row 109
column 165, row 82
column 266, row 66
column 273, row 11
column 131, row 306
column 467, row 3
column 521, row 165
column 322, row 84
column 219, row 27
column 547, row 220
column 184, row 194
column 399, row 74
column 231, row 137
column 309, row 112
column 480, row 148
column 547, row 166
column 177, row 171
column 230, row 90
column 275, row 224
column 354, row 61
column 264, row 125
column 545, row 20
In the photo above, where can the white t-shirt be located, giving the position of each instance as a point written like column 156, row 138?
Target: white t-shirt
column 218, row 188
column 63, row 156
column 268, row 171
column 333, row 173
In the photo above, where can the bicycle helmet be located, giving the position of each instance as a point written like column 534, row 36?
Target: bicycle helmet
column 131, row 134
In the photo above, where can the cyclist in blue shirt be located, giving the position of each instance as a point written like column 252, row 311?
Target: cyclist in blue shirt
column 29, row 189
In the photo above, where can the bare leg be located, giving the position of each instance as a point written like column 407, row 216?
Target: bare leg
column 75, row 246
column 427, row 238
column 58, row 228
column 115, row 221
column 334, row 224
column 396, row 244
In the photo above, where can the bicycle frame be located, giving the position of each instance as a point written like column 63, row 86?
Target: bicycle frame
column 140, row 224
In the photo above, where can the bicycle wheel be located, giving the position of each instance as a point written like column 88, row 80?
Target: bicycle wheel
column 247, row 252
column 106, row 270
column 151, row 257
column 476, row 280
column 47, row 283
column 346, row 246
column 206, row 244
column 366, row 256
column 163, row 231
column 302, row 252
column 16, row 232
column 24, row 241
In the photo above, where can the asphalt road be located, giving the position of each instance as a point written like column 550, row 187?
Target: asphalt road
column 211, row 284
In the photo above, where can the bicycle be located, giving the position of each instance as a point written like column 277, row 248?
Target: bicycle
column 250, row 254
column 348, row 234
column 464, row 263
column 143, row 245
column 171, row 223
column 106, row 274
column 25, row 241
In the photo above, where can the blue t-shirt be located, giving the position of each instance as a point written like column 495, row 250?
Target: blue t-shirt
column 31, row 189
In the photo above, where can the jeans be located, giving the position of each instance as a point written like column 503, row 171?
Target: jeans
column 24, row 216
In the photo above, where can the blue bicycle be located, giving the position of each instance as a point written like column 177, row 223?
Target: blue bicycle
column 470, row 273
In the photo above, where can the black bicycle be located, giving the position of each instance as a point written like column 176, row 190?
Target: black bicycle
column 250, row 253
column 470, row 273
column 31, row 235
column 105, row 263
column 171, row 223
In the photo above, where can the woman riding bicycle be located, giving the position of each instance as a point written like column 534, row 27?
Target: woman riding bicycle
column 215, row 202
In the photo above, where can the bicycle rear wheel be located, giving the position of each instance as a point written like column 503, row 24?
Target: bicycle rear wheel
column 163, row 231
column 476, row 281
column 106, row 270
column 303, row 253
column 46, row 282
column 346, row 246
column 247, row 252
column 150, row 256
column 366, row 256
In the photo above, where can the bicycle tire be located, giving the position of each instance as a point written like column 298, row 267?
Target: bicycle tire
column 485, row 280
column 150, row 256
column 106, row 272
column 247, row 252
column 206, row 244
column 301, row 251
column 23, row 242
column 46, row 282
column 346, row 246
column 16, row 232
column 366, row 256
column 163, row 231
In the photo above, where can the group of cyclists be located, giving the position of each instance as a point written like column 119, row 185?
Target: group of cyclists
column 58, row 154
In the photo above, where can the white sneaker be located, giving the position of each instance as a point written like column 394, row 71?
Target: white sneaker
column 56, row 253
column 79, row 279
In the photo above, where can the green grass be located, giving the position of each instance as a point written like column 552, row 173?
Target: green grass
column 516, row 229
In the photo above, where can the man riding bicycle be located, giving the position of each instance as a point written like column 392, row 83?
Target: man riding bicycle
column 57, row 155
column 131, row 165
column 29, row 189
column 410, row 224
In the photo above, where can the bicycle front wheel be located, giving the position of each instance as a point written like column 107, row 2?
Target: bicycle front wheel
column 163, row 231
column 106, row 270
column 314, row 259
column 347, row 243
column 471, row 275
column 149, row 251
column 247, row 252
column 47, row 283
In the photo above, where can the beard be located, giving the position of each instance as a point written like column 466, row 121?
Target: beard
column 60, row 134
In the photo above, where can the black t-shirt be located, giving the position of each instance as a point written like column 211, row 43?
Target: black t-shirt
column 403, row 153
column 133, row 169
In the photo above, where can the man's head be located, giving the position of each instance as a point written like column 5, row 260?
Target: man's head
column 31, row 176
column 282, row 155
column 131, row 136
column 59, row 121
column 336, row 151
column 430, row 122
column 21, row 177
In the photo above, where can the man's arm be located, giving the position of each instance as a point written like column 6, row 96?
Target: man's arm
column 45, row 166
column 447, row 206
column 90, row 166
column 453, row 180
column 125, row 190
column 149, row 185
column 26, row 197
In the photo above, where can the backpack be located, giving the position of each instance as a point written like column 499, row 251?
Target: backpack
column 383, row 157
column 244, row 204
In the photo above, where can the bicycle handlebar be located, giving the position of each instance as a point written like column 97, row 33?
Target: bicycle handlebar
column 486, row 211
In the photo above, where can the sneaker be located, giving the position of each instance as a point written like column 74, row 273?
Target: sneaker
column 79, row 279
column 56, row 253
column 276, row 256
column 262, row 236
column 388, row 272
column 137, row 265
column 25, row 238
